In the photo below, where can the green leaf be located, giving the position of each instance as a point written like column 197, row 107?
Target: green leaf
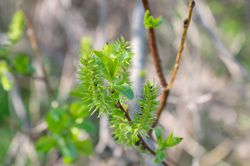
column 68, row 149
column 58, row 120
column 86, row 45
column 78, row 109
column 158, row 133
column 159, row 156
column 125, row 90
column 76, row 92
column 4, row 79
column 111, row 65
column 86, row 146
column 4, row 51
column 45, row 144
column 3, row 67
column 16, row 27
column 6, row 83
column 87, row 126
column 172, row 140
column 150, row 21
column 23, row 65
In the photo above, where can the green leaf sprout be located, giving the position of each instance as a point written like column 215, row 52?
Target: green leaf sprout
column 150, row 21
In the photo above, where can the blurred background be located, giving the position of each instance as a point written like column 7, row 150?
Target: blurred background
column 209, row 105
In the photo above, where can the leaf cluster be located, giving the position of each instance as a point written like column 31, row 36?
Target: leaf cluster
column 18, row 63
column 105, row 87
column 104, row 82
column 164, row 144
column 68, row 132
column 150, row 21
column 148, row 104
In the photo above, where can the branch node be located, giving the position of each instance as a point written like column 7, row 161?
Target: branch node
column 193, row 4
column 186, row 22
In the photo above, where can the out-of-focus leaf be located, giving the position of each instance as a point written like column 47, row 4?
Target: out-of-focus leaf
column 45, row 143
column 86, row 146
column 57, row 120
column 4, row 51
column 78, row 109
column 16, row 27
column 159, row 156
column 3, row 67
column 22, row 64
column 158, row 133
column 68, row 150
column 6, row 83
column 87, row 126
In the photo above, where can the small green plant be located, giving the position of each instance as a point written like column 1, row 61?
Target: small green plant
column 150, row 21
column 13, row 63
column 105, row 87
column 164, row 144
column 68, row 132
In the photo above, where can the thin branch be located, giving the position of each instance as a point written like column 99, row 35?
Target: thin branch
column 181, row 46
column 157, row 62
column 178, row 59
column 144, row 144
column 154, row 51
column 33, row 40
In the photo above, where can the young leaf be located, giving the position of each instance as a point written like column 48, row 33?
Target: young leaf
column 23, row 65
column 125, row 90
column 172, row 140
column 68, row 150
column 158, row 133
column 87, row 126
column 150, row 21
column 45, row 143
column 77, row 109
column 86, row 146
column 16, row 27
column 159, row 156
column 6, row 83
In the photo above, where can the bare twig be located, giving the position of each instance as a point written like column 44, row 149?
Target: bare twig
column 33, row 41
column 177, row 62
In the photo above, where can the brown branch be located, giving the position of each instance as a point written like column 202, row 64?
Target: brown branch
column 166, row 91
column 157, row 63
column 181, row 46
column 154, row 51
column 143, row 142
column 33, row 41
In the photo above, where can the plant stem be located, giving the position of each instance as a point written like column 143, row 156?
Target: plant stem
column 33, row 41
column 154, row 51
column 157, row 62
column 144, row 144
column 166, row 91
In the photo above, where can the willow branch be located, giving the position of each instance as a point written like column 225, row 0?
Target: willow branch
column 181, row 46
column 142, row 141
column 178, row 59
column 157, row 63
column 154, row 51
